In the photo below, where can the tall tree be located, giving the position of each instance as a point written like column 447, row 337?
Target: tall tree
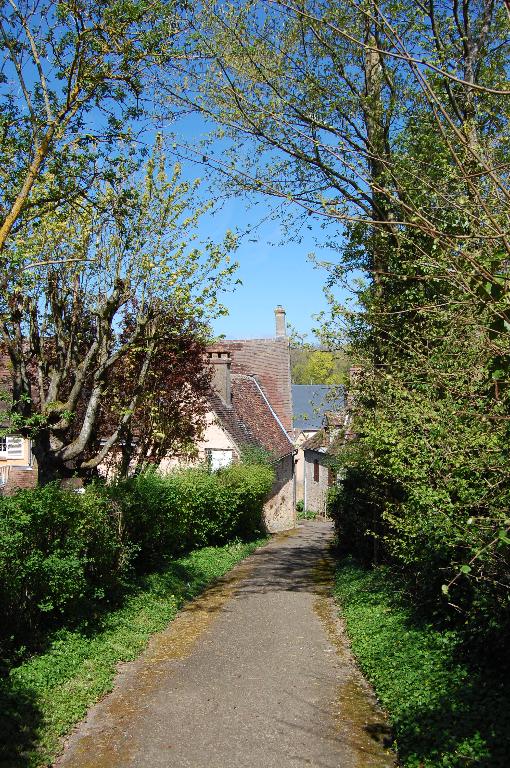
column 106, row 281
column 74, row 76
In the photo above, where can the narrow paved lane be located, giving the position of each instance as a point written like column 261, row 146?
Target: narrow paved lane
column 254, row 674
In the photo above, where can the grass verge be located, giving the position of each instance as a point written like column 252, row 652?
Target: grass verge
column 41, row 699
column 446, row 710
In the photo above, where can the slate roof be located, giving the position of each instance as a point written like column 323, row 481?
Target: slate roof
column 250, row 420
column 310, row 404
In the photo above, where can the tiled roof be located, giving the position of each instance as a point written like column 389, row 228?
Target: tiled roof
column 317, row 442
column 269, row 361
column 231, row 422
column 312, row 401
column 325, row 441
column 257, row 414
column 250, row 420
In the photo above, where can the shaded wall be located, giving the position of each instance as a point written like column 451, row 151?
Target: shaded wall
column 280, row 508
column 316, row 491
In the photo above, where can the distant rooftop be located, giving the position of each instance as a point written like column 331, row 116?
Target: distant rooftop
column 311, row 401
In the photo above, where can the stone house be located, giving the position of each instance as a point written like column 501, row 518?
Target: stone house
column 310, row 403
column 319, row 453
column 251, row 407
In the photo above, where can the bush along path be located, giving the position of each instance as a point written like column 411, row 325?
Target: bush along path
column 256, row 672
column 448, row 705
column 86, row 579
column 41, row 699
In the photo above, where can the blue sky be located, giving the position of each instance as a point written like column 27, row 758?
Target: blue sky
column 274, row 268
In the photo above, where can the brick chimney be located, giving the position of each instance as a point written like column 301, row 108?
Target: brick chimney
column 281, row 326
column 221, row 383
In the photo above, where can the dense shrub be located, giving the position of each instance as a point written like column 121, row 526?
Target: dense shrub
column 246, row 487
column 62, row 552
column 425, row 489
column 192, row 507
column 58, row 550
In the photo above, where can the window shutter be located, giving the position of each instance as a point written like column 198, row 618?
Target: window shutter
column 14, row 447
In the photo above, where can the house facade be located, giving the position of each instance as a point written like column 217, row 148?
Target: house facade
column 310, row 403
column 319, row 453
column 250, row 407
column 17, row 466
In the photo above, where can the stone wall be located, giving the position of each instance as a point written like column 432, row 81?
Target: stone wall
column 315, row 492
column 280, row 508
column 20, row 478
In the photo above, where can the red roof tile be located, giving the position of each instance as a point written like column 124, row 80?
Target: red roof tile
column 269, row 361
column 250, row 420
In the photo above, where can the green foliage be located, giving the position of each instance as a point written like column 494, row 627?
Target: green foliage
column 42, row 698
column 318, row 366
column 59, row 551
column 253, row 454
column 191, row 507
column 446, row 711
column 64, row 555
column 302, row 513
column 425, row 490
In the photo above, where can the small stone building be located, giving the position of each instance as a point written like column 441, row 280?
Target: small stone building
column 310, row 403
column 319, row 454
column 251, row 408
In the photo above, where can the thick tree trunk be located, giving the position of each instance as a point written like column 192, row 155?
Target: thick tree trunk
column 49, row 466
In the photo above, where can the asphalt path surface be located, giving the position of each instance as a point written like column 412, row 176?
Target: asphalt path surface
column 255, row 673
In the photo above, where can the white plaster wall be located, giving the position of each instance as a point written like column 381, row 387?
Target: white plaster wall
column 214, row 437
column 299, row 461
column 24, row 460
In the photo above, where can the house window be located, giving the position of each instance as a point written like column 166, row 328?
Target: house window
column 217, row 458
column 11, row 447
column 316, row 470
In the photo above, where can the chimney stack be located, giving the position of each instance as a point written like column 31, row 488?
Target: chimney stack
column 281, row 326
column 221, row 383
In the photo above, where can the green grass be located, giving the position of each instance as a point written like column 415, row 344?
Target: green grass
column 41, row 699
column 306, row 514
column 446, row 710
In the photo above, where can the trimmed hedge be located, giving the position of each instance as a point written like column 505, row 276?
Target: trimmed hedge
column 63, row 554
column 168, row 514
